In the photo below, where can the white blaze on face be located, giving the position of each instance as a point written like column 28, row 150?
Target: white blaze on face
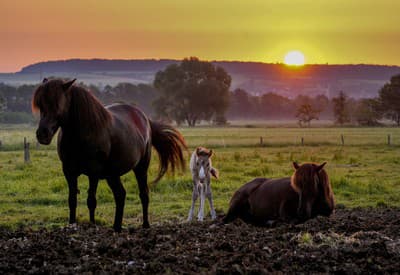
column 202, row 173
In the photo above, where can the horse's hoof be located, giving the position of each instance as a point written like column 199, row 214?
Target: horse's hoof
column 146, row 225
column 117, row 229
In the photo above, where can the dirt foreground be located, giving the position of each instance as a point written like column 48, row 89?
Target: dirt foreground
column 351, row 241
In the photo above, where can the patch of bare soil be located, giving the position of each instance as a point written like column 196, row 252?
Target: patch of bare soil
column 351, row 241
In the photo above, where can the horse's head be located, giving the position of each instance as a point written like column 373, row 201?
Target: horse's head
column 51, row 100
column 310, row 181
column 203, row 164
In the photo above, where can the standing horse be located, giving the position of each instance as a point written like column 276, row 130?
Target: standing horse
column 103, row 143
column 202, row 170
column 306, row 194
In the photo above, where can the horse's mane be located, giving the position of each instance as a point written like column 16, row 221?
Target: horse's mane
column 327, row 188
column 304, row 174
column 86, row 113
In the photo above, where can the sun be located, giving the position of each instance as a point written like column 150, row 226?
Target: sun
column 294, row 58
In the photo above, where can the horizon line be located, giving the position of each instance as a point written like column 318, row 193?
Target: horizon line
column 213, row 60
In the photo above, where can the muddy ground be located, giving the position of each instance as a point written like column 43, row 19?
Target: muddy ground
column 351, row 241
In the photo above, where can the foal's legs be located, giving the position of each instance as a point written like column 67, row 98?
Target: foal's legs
column 73, row 191
column 195, row 195
column 119, row 197
column 209, row 197
column 141, row 177
column 200, row 216
column 91, row 200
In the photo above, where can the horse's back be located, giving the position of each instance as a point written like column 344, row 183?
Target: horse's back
column 273, row 198
column 130, row 134
column 264, row 199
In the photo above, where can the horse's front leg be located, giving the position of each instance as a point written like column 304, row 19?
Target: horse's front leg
column 209, row 197
column 119, row 197
column 91, row 200
column 72, row 200
column 195, row 195
column 200, row 215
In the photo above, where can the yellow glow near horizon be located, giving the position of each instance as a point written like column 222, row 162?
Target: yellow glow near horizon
column 294, row 58
column 334, row 32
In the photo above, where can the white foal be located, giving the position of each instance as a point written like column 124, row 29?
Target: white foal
column 201, row 168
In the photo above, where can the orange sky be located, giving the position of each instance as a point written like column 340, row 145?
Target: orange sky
column 326, row 31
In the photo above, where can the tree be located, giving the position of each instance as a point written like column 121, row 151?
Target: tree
column 340, row 111
column 3, row 105
column 368, row 112
column 389, row 98
column 192, row 91
column 305, row 113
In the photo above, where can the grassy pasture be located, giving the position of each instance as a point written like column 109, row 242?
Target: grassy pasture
column 363, row 172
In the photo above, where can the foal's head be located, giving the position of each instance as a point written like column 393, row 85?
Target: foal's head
column 311, row 182
column 52, row 101
column 203, row 164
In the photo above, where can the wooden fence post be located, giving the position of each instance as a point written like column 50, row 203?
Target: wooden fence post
column 261, row 141
column 342, row 138
column 389, row 139
column 27, row 157
column 1, row 144
column 302, row 141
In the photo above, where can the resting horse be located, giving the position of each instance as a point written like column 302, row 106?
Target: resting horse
column 293, row 199
column 103, row 143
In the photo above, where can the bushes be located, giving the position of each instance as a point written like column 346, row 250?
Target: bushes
column 16, row 117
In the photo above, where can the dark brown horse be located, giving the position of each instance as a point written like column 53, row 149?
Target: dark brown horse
column 306, row 194
column 103, row 143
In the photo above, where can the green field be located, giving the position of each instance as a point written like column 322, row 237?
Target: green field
column 363, row 172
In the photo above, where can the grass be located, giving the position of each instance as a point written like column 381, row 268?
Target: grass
column 363, row 172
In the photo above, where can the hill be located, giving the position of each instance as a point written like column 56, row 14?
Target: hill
column 257, row 78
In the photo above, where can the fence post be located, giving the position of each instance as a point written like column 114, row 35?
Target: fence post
column 342, row 138
column 261, row 141
column 1, row 144
column 302, row 141
column 27, row 157
column 389, row 139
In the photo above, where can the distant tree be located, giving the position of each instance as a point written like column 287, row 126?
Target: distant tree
column 273, row 105
column 368, row 112
column 306, row 113
column 3, row 104
column 389, row 97
column 240, row 105
column 340, row 111
column 192, row 91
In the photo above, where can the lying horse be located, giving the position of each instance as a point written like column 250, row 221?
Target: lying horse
column 103, row 143
column 306, row 194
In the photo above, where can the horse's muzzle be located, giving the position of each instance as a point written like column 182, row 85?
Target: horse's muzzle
column 44, row 135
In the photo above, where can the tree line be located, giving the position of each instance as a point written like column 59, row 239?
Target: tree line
column 194, row 91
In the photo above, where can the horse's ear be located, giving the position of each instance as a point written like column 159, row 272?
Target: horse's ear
column 210, row 153
column 68, row 84
column 296, row 165
column 45, row 80
column 319, row 168
column 198, row 149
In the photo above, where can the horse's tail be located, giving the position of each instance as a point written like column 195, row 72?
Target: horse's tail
column 169, row 144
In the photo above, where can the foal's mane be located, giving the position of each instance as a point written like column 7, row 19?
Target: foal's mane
column 85, row 112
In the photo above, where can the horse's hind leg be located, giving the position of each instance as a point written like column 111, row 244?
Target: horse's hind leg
column 91, row 200
column 119, row 197
column 141, row 177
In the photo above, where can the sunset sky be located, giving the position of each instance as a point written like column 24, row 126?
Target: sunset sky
column 325, row 31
